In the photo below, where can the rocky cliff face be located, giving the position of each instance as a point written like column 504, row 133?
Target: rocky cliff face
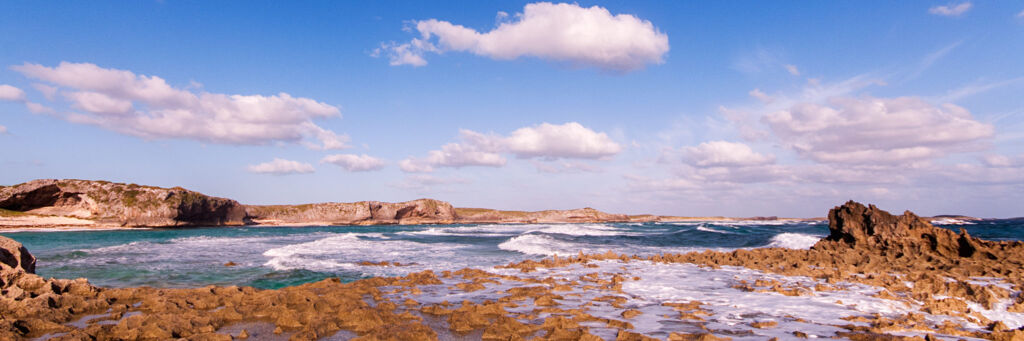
column 121, row 204
column 422, row 211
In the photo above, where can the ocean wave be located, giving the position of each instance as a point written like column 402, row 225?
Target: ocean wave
column 708, row 229
column 538, row 244
column 951, row 221
column 582, row 230
column 342, row 251
column 791, row 240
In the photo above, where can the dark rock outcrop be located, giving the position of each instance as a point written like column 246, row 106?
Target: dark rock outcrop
column 121, row 204
column 869, row 228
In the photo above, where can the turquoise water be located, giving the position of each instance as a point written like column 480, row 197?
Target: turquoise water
column 272, row 257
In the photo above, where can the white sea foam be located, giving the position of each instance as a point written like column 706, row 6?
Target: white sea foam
column 340, row 252
column 791, row 240
column 731, row 309
column 538, row 244
column 951, row 221
column 583, row 230
column 708, row 229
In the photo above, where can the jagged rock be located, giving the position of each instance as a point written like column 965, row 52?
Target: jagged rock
column 15, row 257
column 870, row 228
column 121, row 204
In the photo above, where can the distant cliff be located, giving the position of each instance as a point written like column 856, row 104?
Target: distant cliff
column 422, row 211
column 85, row 203
column 107, row 203
column 581, row 215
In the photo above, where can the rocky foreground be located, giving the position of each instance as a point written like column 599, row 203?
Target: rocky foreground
column 944, row 284
column 87, row 203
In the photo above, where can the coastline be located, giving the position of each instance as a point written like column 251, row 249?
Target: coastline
column 961, row 286
column 68, row 203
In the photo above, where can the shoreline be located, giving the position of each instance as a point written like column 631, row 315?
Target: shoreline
column 960, row 286
column 29, row 225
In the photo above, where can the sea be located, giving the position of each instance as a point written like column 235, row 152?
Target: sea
column 275, row 257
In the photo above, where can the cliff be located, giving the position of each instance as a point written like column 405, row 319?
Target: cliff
column 421, row 211
column 120, row 204
column 581, row 215
column 85, row 203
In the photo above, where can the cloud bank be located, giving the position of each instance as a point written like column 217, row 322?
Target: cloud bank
column 148, row 107
column 873, row 130
column 559, row 32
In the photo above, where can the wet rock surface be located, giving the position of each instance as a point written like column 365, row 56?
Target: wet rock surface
column 942, row 282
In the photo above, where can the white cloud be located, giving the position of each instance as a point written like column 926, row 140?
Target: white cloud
column 411, row 165
column 148, row 107
column 455, row 155
column 1021, row 14
column 725, row 154
column 951, row 10
column 546, row 141
column 792, row 69
column 569, row 140
column 37, row 108
column 561, row 32
column 3, row 129
column 355, row 163
column 10, row 93
column 876, row 130
column 281, row 167
column 761, row 96
column 50, row 92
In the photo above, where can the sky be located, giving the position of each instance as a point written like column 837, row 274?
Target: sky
column 736, row 108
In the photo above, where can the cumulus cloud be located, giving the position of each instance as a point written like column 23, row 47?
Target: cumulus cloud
column 544, row 141
column 951, row 10
column 148, row 107
column 876, row 130
column 281, row 167
column 11, row 93
column 355, row 163
column 725, row 154
column 569, row 140
column 456, row 155
column 589, row 36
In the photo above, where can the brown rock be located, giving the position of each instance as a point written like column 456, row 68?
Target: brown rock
column 15, row 257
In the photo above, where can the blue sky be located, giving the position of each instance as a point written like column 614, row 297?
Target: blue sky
column 910, row 105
